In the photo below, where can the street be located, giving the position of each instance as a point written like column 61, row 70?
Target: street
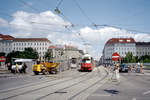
column 132, row 86
column 75, row 85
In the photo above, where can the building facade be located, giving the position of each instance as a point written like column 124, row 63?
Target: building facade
column 142, row 48
column 120, row 45
column 39, row 44
column 6, row 43
column 61, row 52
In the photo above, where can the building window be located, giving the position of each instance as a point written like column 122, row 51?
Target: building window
column 128, row 40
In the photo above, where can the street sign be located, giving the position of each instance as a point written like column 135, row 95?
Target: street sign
column 2, row 59
column 115, row 56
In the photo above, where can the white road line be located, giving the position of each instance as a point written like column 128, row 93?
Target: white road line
column 145, row 93
column 133, row 98
column 100, row 95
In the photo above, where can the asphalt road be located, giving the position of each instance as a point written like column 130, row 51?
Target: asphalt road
column 67, row 85
column 75, row 85
column 132, row 86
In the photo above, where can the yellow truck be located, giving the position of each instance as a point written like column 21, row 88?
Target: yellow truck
column 45, row 68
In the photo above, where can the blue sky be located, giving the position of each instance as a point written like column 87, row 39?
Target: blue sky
column 131, row 16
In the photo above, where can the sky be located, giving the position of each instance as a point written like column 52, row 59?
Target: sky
column 75, row 24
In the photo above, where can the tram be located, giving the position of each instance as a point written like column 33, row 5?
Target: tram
column 86, row 63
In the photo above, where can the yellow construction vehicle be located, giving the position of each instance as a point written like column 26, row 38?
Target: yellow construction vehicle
column 45, row 68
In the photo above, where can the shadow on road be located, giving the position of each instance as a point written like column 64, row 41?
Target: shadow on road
column 111, row 91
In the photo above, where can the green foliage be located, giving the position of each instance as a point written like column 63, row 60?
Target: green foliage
column 49, row 54
column 129, row 58
column 145, row 59
column 28, row 53
column 2, row 54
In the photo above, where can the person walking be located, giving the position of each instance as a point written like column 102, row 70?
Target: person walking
column 117, row 73
column 24, row 66
column 141, row 68
column 17, row 69
column 9, row 66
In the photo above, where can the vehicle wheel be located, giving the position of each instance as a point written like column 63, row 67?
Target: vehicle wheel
column 53, row 71
column 45, row 72
column 36, row 72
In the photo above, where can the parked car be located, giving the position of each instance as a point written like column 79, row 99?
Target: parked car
column 123, row 68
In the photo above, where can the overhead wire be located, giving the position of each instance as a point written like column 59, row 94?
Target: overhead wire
column 72, row 25
column 104, row 25
column 23, row 2
column 83, row 12
column 59, row 3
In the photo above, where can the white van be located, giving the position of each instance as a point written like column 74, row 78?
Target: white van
column 20, row 63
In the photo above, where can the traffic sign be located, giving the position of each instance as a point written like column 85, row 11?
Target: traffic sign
column 2, row 59
column 115, row 56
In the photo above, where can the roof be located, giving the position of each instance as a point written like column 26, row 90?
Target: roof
column 6, row 37
column 52, row 46
column 142, row 43
column 30, row 39
column 120, row 40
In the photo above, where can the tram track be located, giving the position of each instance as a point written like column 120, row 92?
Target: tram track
column 62, row 90
column 67, row 87
column 28, row 85
column 36, row 89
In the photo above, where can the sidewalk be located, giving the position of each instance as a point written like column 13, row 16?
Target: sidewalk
column 4, row 71
column 146, row 72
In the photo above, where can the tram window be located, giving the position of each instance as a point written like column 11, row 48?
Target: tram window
column 73, row 61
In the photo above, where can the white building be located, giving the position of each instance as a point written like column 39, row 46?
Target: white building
column 39, row 44
column 6, row 43
column 142, row 49
column 119, row 45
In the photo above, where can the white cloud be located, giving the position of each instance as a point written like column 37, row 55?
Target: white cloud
column 38, row 25
column 3, row 23
column 47, row 24
column 98, row 37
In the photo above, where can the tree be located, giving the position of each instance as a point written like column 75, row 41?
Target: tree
column 2, row 54
column 129, row 58
column 29, row 53
column 49, row 55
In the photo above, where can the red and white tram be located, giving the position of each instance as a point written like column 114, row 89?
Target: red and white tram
column 86, row 63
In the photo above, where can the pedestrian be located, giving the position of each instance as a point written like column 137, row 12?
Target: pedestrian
column 117, row 73
column 9, row 66
column 109, row 68
column 141, row 68
column 24, row 66
column 17, row 68
column 138, row 67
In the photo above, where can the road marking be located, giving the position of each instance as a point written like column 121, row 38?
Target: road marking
column 101, row 95
column 145, row 93
column 133, row 98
